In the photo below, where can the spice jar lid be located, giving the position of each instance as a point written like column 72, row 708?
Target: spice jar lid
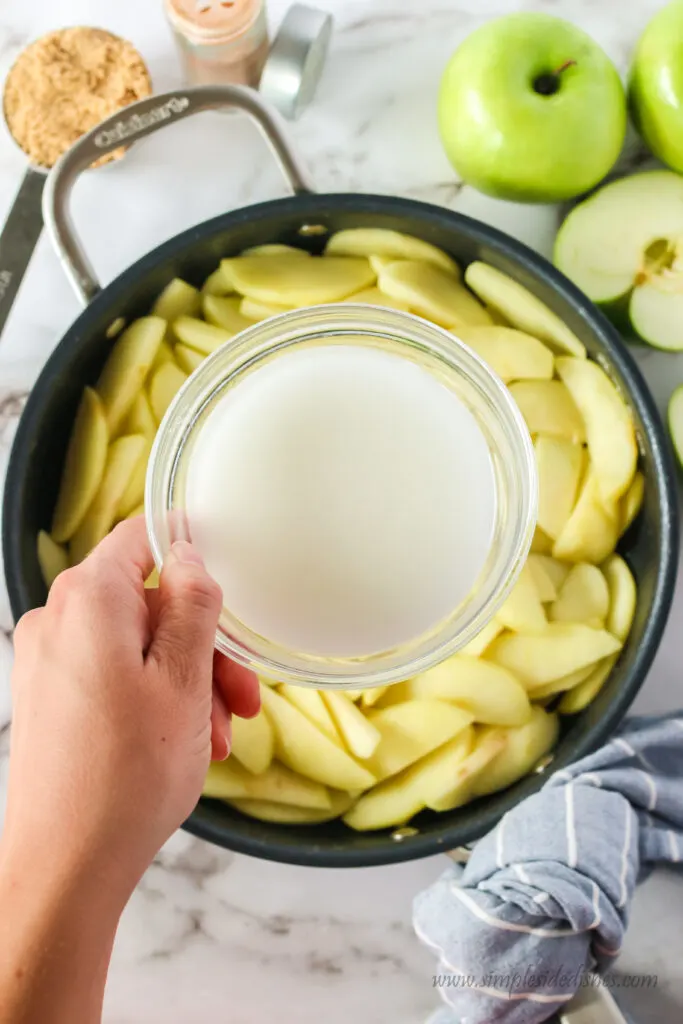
column 210, row 21
column 294, row 65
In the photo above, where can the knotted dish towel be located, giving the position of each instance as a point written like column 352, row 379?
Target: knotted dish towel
column 546, row 895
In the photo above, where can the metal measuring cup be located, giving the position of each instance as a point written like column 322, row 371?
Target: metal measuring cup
column 24, row 222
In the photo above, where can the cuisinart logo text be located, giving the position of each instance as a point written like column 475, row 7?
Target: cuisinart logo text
column 137, row 122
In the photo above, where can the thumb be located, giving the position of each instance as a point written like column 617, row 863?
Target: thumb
column 189, row 603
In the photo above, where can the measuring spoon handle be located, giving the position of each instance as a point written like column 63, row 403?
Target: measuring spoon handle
column 18, row 238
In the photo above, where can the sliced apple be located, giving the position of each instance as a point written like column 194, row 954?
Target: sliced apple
column 217, row 284
column 287, row 814
column 86, row 455
column 140, row 419
column 556, row 570
column 134, row 494
column 360, row 736
column 371, row 696
column 399, row 798
column 488, row 692
column 164, row 355
column 562, row 648
column 288, row 280
column 445, row 794
column 510, row 353
column 548, row 408
column 631, row 503
column 609, row 424
column 560, row 465
column 254, row 310
column 410, row 730
column 622, row 248
column 522, row 610
column 188, row 359
column 163, row 387
column 203, row 337
column 524, row 747
column 496, row 316
column 583, row 597
column 274, row 249
column 177, row 299
column 311, row 704
column 521, row 308
column 354, row 694
column 568, row 682
column 675, row 417
column 657, row 306
column 152, row 581
column 432, row 293
column 541, row 543
column 622, row 596
column 592, row 530
column 227, row 780
column 543, row 580
column 253, row 742
column 374, row 297
column 391, row 244
column 52, row 557
column 122, row 458
column 127, row 367
column 580, row 696
column 305, row 749
column 224, row 312
column 379, row 263
column 484, row 637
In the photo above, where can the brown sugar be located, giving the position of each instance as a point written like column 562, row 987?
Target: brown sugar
column 66, row 82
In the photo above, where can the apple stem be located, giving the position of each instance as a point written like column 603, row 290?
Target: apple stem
column 548, row 83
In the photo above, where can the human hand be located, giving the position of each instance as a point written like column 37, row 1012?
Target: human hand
column 119, row 702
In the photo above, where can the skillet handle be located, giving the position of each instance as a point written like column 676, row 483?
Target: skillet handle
column 132, row 123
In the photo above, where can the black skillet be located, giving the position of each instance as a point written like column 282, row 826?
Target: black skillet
column 305, row 219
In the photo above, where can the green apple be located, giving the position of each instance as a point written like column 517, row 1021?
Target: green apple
column 531, row 109
column 675, row 417
column 623, row 247
column 656, row 86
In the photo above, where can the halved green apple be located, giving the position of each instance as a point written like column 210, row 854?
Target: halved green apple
column 675, row 417
column 623, row 247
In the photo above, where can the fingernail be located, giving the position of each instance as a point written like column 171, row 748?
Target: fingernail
column 184, row 552
column 228, row 745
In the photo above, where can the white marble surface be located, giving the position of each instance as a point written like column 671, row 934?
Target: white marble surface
column 210, row 934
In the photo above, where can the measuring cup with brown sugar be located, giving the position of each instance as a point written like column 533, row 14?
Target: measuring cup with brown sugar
column 59, row 87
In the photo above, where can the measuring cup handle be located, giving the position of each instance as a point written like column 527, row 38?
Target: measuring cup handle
column 132, row 123
column 18, row 239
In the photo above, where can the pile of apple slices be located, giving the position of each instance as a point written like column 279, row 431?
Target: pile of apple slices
column 486, row 716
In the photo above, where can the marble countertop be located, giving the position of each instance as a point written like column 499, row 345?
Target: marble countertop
column 210, row 934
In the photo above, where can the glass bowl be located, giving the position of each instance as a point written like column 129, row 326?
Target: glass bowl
column 457, row 367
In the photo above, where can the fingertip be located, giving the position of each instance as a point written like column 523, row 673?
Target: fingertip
column 254, row 711
column 238, row 686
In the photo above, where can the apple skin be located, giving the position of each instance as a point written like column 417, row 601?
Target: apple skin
column 511, row 142
column 656, row 86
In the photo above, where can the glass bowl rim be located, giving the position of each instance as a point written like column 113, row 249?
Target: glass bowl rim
column 266, row 337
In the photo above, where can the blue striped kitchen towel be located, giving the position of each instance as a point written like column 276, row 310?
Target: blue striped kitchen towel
column 545, row 897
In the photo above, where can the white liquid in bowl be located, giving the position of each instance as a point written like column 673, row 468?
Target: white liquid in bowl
column 344, row 500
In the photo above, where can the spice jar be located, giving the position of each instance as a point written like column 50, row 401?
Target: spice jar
column 220, row 41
